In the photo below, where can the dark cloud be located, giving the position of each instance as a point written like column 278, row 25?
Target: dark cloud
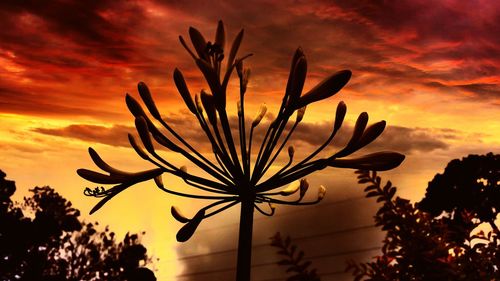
column 307, row 136
column 391, row 46
column 115, row 136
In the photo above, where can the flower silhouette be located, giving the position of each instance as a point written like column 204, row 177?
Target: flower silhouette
column 237, row 178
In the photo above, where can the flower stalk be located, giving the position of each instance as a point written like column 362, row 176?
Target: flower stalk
column 233, row 178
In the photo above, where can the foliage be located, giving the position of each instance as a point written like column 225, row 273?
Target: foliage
column 443, row 244
column 293, row 259
column 44, row 239
column 467, row 185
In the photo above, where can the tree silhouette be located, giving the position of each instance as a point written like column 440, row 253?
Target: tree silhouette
column 469, row 185
column 235, row 178
column 436, row 239
column 44, row 239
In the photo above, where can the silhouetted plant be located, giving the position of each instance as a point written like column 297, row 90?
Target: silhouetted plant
column 467, row 185
column 43, row 239
column 436, row 246
column 293, row 259
column 232, row 179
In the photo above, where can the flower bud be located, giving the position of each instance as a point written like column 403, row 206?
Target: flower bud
column 220, row 35
column 326, row 88
column 304, row 185
column 321, row 192
column 300, row 113
column 198, row 41
column 190, row 227
column 142, row 129
column 260, row 115
column 209, row 104
column 239, row 68
column 291, row 152
column 238, row 106
column 178, row 215
column 290, row 189
column 159, row 181
column 183, row 169
column 199, row 106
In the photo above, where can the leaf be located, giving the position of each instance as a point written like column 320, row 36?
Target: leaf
column 148, row 100
column 372, row 194
column 300, row 255
column 326, row 88
column 392, row 191
column 370, row 187
column 387, row 186
column 190, row 227
column 284, row 262
column 305, row 265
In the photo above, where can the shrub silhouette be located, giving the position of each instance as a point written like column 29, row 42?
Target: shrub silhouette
column 232, row 177
column 44, row 239
column 436, row 238
column 293, row 259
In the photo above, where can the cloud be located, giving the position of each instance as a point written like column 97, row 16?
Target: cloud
column 307, row 136
column 115, row 135
column 94, row 52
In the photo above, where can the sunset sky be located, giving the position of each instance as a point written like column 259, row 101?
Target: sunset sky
column 431, row 69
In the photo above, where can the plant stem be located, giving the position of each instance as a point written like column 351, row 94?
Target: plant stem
column 245, row 241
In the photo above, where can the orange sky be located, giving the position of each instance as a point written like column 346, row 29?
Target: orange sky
column 431, row 69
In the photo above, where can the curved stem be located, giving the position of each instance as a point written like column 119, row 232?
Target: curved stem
column 195, row 185
column 278, row 181
column 249, row 150
column 278, row 151
column 275, row 135
column 222, row 209
column 177, row 172
column 229, row 141
column 303, row 162
column 263, row 212
column 191, row 195
column 272, row 200
column 261, row 149
column 203, row 158
column 223, row 154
